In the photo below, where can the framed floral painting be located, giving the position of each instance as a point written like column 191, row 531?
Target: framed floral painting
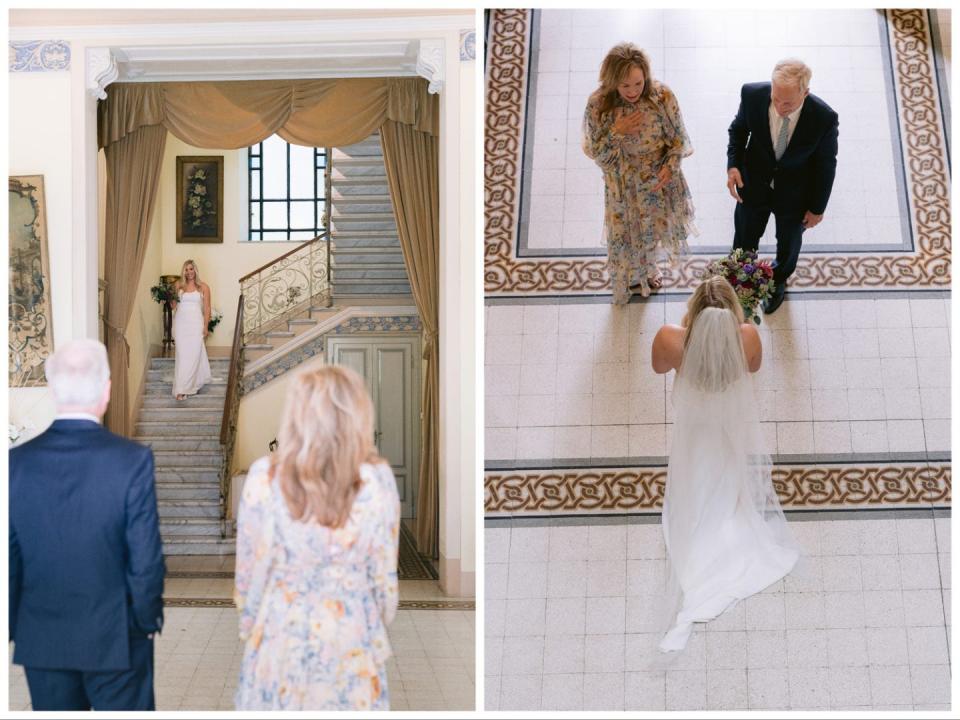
column 200, row 199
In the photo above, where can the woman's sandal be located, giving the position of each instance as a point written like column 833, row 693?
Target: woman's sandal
column 656, row 282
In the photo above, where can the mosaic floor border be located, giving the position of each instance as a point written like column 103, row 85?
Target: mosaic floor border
column 619, row 490
column 920, row 126
column 404, row 604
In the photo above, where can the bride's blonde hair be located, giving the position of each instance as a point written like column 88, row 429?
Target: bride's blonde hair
column 196, row 273
column 326, row 434
column 713, row 354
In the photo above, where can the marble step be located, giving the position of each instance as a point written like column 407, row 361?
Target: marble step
column 346, row 274
column 345, row 206
column 207, row 402
column 189, row 526
column 359, row 289
column 181, row 443
column 364, row 239
column 188, row 475
column 169, row 362
column 188, row 491
column 207, row 415
column 353, row 170
column 360, row 256
column 193, row 459
column 209, row 509
column 350, row 188
column 364, row 148
column 158, row 384
column 198, row 545
column 182, row 428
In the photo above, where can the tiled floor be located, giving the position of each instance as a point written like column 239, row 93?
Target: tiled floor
column 568, row 621
column 705, row 57
column 842, row 374
column 198, row 654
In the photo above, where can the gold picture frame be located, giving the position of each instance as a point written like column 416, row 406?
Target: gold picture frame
column 199, row 199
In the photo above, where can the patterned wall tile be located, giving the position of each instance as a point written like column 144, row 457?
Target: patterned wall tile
column 39, row 55
column 923, row 145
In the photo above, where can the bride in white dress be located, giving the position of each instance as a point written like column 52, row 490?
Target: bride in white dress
column 191, row 367
column 725, row 533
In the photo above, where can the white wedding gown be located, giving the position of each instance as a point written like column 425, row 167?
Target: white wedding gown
column 191, row 367
column 725, row 533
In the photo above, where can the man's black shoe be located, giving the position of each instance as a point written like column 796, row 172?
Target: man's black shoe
column 770, row 306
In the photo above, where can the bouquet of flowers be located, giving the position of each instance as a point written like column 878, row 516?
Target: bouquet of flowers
column 751, row 278
column 215, row 317
column 163, row 293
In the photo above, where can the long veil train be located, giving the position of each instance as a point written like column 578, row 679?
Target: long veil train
column 725, row 532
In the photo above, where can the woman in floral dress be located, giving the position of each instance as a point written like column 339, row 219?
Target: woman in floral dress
column 316, row 575
column 633, row 130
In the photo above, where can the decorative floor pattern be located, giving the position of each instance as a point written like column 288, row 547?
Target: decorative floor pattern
column 410, row 564
column 918, row 124
column 570, row 618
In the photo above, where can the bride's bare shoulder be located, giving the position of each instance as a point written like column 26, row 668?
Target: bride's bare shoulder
column 752, row 345
column 667, row 348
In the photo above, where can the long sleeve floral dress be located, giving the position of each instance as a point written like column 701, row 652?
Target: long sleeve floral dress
column 639, row 222
column 315, row 602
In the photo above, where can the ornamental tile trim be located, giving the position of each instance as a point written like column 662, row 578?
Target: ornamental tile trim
column 924, row 158
column 39, row 55
column 315, row 348
column 468, row 45
column 606, row 491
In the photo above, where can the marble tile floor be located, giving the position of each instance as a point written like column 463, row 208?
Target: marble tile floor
column 843, row 374
column 198, row 654
column 568, row 621
column 705, row 56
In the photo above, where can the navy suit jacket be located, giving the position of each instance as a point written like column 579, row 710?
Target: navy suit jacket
column 86, row 560
column 804, row 174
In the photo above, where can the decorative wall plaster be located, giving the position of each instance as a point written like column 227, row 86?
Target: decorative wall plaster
column 921, row 130
column 39, row 55
column 315, row 348
column 468, row 45
column 101, row 71
column 619, row 490
column 430, row 63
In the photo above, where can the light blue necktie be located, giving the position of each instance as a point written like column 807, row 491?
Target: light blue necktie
column 782, row 138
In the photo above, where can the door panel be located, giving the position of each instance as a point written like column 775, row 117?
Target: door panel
column 391, row 369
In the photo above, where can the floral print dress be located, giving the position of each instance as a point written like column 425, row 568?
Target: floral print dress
column 640, row 222
column 315, row 602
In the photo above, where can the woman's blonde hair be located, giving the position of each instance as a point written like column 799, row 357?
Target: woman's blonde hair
column 196, row 273
column 618, row 63
column 326, row 434
column 714, row 292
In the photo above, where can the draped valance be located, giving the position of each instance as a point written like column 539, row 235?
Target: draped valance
column 237, row 114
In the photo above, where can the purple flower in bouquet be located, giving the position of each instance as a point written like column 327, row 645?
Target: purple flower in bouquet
column 751, row 278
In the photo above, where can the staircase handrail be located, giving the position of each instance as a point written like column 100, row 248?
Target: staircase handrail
column 228, row 423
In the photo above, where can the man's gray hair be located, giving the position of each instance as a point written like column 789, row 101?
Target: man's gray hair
column 791, row 71
column 78, row 372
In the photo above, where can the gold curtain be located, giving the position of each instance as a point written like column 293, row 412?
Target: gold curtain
column 315, row 113
column 413, row 175
column 229, row 115
column 133, row 172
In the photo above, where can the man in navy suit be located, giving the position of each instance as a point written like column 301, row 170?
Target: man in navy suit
column 86, row 561
column 781, row 158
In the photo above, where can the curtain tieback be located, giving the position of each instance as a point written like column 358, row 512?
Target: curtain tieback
column 429, row 340
column 123, row 336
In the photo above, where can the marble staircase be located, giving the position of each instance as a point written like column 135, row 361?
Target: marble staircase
column 185, row 438
column 366, row 256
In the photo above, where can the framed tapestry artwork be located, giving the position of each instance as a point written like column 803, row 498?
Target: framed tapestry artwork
column 29, row 317
column 200, row 199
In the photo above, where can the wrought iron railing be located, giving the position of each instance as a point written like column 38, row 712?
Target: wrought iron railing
column 292, row 283
column 228, row 424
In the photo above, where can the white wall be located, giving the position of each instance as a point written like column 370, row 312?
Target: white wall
column 40, row 144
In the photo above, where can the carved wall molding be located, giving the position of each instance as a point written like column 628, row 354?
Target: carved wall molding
column 925, row 162
column 39, row 55
column 430, row 63
column 102, row 69
column 624, row 490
